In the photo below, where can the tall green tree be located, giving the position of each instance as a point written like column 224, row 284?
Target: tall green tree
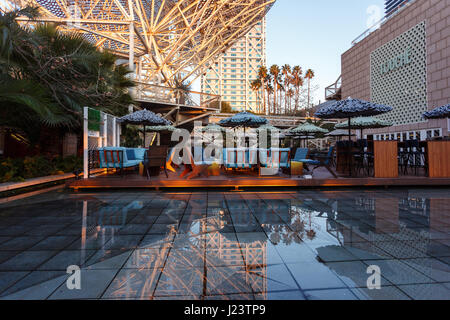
column 297, row 82
column 263, row 76
column 286, row 70
column 309, row 75
column 275, row 72
column 47, row 77
column 255, row 85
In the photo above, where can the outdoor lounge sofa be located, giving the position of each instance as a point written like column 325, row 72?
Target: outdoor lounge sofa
column 120, row 158
column 201, row 158
column 247, row 158
column 283, row 157
column 238, row 158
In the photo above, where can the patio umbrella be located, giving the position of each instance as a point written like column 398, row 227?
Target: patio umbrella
column 338, row 133
column 145, row 118
column 244, row 119
column 362, row 123
column 306, row 129
column 160, row 129
column 351, row 108
column 269, row 128
column 438, row 113
column 213, row 127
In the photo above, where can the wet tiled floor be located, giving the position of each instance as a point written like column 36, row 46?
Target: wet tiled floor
column 239, row 246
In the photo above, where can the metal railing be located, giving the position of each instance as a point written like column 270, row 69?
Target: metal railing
column 332, row 90
column 178, row 97
column 378, row 24
column 277, row 121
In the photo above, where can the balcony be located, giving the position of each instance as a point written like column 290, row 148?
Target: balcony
column 334, row 92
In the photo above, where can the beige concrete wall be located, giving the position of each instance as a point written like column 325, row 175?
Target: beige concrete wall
column 356, row 61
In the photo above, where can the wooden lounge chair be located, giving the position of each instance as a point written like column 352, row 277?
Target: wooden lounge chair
column 156, row 157
column 321, row 161
column 300, row 154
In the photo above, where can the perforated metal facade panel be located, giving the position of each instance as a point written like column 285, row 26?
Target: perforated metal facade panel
column 398, row 76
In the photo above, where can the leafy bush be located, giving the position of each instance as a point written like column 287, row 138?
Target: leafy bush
column 9, row 170
column 68, row 164
column 15, row 170
column 130, row 137
column 35, row 167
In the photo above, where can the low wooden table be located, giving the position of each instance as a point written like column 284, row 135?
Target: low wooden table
column 438, row 153
column 386, row 159
column 296, row 168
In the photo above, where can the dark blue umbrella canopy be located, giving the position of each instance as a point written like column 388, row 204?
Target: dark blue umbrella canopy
column 351, row 108
column 244, row 119
column 144, row 117
column 438, row 113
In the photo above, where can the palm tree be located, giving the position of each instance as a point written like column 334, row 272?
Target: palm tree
column 281, row 89
column 47, row 77
column 270, row 92
column 275, row 72
column 263, row 76
column 255, row 85
column 309, row 75
column 290, row 94
column 286, row 70
column 297, row 82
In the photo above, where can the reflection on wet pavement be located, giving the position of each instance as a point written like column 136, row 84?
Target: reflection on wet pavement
column 230, row 246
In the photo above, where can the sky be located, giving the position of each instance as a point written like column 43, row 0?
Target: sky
column 314, row 34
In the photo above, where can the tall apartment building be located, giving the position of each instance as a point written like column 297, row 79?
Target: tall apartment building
column 232, row 74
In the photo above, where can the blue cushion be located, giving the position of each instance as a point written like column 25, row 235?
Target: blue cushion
column 301, row 153
column 284, row 157
column 139, row 154
column 131, row 163
column 312, row 162
column 131, row 155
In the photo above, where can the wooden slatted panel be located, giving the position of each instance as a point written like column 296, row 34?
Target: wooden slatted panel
column 386, row 159
column 439, row 159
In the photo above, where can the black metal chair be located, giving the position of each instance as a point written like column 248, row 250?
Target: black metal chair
column 403, row 153
column 156, row 157
column 417, row 156
column 360, row 157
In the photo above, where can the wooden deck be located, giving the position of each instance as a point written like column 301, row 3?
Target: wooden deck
column 243, row 180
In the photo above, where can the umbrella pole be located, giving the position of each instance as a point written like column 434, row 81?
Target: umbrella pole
column 145, row 127
column 350, row 146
